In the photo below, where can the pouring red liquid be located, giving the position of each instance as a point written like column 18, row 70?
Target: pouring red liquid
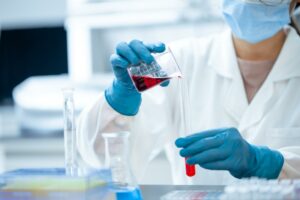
column 143, row 83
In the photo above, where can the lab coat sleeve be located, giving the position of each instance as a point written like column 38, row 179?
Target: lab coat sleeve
column 97, row 118
column 151, row 129
column 291, row 166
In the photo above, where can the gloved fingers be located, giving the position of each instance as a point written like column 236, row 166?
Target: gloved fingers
column 122, row 75
column 217, row 165
column 202, row 145
column 117, row 61
column 211, row 155
column 158, row 47
column 184, row 142
column 141, row 51
column 126, row 52
column 119, row 66
column 165, row 84
column 233, row 133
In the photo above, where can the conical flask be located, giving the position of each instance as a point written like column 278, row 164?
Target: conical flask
column 117, row 160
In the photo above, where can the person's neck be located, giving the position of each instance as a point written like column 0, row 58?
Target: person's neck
column 266, row 50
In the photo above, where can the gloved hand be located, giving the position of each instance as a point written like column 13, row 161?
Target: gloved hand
column 225, row 149
column 122, row 95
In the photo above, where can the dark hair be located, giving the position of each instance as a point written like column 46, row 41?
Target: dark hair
column 294, row 23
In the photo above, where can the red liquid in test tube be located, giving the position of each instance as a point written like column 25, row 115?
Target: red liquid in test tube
column 190, row 169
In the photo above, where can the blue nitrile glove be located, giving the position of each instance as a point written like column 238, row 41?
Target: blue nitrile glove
column 122, row 95
column 225, row 149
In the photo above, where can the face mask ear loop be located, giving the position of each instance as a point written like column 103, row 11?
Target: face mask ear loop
column 294, row 20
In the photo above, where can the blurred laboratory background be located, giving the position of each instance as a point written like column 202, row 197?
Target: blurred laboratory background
column 46, row 45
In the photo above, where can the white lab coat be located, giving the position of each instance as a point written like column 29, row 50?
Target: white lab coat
column 217, row 99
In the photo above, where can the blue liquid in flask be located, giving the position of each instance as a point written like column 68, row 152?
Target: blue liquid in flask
column 129, row 194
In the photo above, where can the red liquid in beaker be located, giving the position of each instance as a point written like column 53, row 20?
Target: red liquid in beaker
column 143, row 83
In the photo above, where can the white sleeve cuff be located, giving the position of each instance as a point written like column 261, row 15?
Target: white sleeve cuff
column 291, row 166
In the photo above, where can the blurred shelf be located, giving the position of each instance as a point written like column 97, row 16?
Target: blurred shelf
column 18, row 151
column 15, row 14
column 21, row 152
column 119, row 20
column 107, row 7
column 114, row 14
column 36, row 145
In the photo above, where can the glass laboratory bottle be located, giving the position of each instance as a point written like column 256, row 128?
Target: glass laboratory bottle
column 117, row 160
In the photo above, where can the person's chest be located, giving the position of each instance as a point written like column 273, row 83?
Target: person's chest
column 272, row 118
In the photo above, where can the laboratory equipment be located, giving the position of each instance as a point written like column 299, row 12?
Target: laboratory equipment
column 263, row 189
column 190, row 169
column 242, row 189
column 53, row 184
column 117, row 160
column 163, row 68
column 71, row 163
column 192, row 195
column 186, row 119
column 40, row 113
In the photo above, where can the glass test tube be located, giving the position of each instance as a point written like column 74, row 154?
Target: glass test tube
column 185, row 104
column 70, row 132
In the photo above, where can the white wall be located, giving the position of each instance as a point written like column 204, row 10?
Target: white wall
column 31, row 13
column 104, row 41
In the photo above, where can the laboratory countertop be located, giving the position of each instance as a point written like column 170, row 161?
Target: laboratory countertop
column 155, row 192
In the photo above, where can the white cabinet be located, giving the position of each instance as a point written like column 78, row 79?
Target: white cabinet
column 94, row 28
column 19, row 153
column 31, row 13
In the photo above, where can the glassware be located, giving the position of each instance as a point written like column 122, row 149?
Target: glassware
column 71, row 164
column 117, row 160
column 163, row 68
column 185, row 113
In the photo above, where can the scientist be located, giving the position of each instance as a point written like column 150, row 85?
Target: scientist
column 246, row 79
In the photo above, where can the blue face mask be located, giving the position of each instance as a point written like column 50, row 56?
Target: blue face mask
column 254, row 21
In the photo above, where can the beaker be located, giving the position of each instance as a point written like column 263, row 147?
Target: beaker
column 164, row 67
column 117, row 160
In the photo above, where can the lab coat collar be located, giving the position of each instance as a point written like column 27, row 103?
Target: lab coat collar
column 223, row 60
column 287, row 65
column 223, row 49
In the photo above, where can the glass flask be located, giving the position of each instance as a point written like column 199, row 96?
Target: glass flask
column 164, row 67
column 117, row 160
